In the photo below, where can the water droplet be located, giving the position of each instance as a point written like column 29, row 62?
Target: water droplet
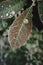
column 22, row 9
column 7, row 14
column 15, row 15
column 19, row 12
column 2, row 16
column 25, row 21
column 13, row 12
column 10, row 16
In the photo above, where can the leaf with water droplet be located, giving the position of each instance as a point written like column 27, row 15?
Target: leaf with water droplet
column 7, row 6
column 19, row 31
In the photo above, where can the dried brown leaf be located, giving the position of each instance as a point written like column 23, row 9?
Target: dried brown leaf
column 19, row 31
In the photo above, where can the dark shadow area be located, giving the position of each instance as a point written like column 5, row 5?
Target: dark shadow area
column 2, row 0
column 36, row 18
column 27, row 4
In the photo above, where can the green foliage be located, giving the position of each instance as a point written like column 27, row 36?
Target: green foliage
column 8, row 6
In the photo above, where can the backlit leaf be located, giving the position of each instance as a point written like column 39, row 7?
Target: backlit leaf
column 19, row 31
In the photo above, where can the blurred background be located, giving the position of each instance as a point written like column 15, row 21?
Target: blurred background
column 32, row 52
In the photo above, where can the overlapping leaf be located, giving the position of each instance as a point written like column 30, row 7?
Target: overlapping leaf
column 40, row 9
column 19, row 31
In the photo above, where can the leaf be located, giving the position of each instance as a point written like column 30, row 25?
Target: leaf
column 20, row 31
column 9, row 6
column 40, row 9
